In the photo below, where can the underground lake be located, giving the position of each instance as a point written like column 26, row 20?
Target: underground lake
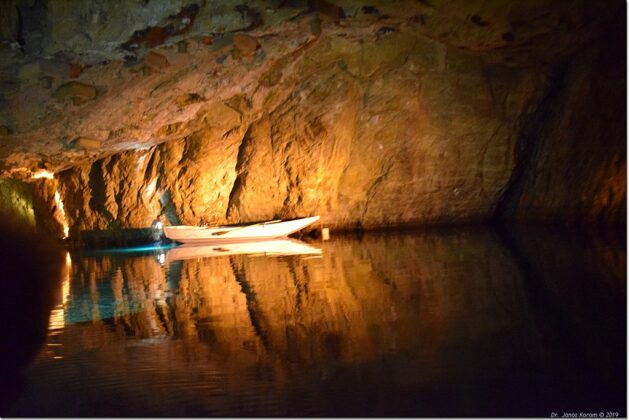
column 468, row 321
column 313, row 208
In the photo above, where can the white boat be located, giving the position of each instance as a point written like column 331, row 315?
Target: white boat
column 239, row 233
column 271, row 247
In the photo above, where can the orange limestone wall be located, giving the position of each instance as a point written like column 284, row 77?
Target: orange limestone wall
column 370, row 117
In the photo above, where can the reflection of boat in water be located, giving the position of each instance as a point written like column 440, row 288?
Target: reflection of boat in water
column 273, row 247
column 237, row 233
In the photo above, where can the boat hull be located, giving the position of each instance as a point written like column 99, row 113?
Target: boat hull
column 231, row 234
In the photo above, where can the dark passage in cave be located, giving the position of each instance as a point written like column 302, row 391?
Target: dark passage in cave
column 467, row 160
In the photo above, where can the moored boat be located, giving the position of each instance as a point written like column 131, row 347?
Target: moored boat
column 237, row 233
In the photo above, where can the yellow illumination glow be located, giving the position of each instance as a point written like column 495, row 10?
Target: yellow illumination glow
column 65, row 288
column 57, row 319
column 43, row 174
column 63, row 220
column 150, row 188
column 57, row 315
column 141, row 160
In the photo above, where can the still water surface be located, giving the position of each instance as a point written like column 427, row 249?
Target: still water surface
column 465, row 322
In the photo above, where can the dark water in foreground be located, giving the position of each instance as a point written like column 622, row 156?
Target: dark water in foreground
column 454, row 323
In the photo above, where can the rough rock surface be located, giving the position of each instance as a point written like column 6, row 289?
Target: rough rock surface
column 16, row 198
column 363, row 138
column 573, row 167
column 371, row 114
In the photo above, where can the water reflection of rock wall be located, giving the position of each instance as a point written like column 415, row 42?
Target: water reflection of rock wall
column 427, row 317
column 406, row 291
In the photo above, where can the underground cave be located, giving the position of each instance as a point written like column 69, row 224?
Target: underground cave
column 466, row 161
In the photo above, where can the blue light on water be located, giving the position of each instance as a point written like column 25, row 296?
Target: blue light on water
column 136, row 249
column 99, row 299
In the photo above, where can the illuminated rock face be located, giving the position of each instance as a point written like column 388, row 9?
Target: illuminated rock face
column 370, row 115
column 368, row 142
column 365, row 135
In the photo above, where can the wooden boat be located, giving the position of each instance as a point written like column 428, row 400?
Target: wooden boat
column 237, row 233
column 269, row 248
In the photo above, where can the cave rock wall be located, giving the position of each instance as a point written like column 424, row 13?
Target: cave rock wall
column 370, row 114
column 398, row 131
column 572, row 164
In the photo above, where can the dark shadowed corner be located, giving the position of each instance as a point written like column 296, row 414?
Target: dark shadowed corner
column 30, row 271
